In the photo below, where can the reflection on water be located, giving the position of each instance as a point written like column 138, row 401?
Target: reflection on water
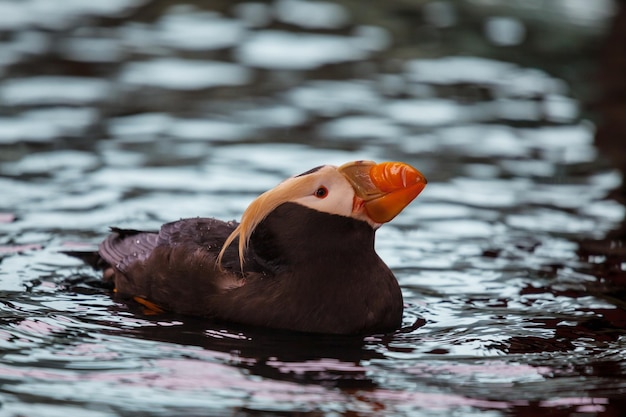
column 137, row 112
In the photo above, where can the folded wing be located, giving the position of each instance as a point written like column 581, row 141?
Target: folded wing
column 174, row 268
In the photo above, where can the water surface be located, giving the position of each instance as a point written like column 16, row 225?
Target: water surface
column 136, row 113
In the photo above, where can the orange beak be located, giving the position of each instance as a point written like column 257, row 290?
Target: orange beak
column 384, row 189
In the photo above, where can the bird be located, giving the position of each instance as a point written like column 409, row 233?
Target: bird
column 301, row 258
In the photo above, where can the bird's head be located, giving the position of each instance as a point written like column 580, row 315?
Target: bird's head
column 363, row 190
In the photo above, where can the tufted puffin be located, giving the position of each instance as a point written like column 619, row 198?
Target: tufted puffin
column 302, row 258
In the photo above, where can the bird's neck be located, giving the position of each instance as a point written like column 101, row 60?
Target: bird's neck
column 297, row 237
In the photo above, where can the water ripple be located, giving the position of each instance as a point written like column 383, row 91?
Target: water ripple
column 136, row 112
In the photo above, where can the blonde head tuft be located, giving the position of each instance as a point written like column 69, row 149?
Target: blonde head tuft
column 261, row 207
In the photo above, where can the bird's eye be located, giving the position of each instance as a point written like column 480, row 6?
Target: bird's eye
column 321, row 192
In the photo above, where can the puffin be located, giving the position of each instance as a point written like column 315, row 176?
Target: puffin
column 301, row 258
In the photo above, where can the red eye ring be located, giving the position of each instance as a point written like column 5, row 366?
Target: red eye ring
column 321, row 192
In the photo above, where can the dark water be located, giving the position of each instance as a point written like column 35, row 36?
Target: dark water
column 137, row 112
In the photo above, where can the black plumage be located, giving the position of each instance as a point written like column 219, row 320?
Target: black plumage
column 303, row 270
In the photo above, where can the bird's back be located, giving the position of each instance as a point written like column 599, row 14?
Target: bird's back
column 175, row 268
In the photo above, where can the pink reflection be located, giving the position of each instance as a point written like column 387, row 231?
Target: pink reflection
column 8, row 249
column 89, row 352
column 585, row 404
column 430, row 400
column 7, row 217
column 181, row 376
column 492, row 369
column 557, row 402
column 37, row 327
column 201, row 376
column 36, row 374
column 315, row 366
column 185, row 376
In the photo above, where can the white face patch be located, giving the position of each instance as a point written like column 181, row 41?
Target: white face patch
column 327, row 191
column 323, row 189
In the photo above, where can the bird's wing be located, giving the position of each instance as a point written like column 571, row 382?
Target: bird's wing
column 204, row 234
column 174, row 269
column 124, row 247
